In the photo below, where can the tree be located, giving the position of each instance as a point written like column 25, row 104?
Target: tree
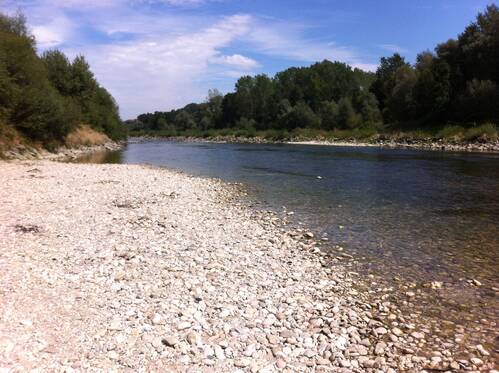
column 15, row 25
column 432, row 88
column 301, row 116
column 184, row 120
column 329, row 114
column 479, row 44
column 385, row 81
column 366, row 105
column 45, row 97
column 244, row 105
column 262, row 96
column 347, row 117
column 60, row 71
column 399, row 104
column 479, row 102
column 214, row 110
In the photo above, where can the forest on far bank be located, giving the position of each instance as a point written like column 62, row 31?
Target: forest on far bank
column 452, row 92
column 43, row 99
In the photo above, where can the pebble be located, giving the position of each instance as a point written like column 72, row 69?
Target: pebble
column 157, row 319
column 398, row 332
column 242, row 363
column 273, row 340
column 482, row 351
column 380, row 348
column 417, row 335
column 219, row 353
column 280, row 364
column 183, row 325
column 476, row 361
column 193, row 338
column 170, row 341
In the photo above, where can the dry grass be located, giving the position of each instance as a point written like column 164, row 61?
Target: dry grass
column 84, row 135
column 9, row 137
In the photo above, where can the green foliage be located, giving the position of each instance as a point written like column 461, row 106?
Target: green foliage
column 432, row 89
column 458, row 83
column 45, row 98
column 367, row 107
column 15, row 25
column 60, row 71
column 386, row 78
column 184, row 121
column 295, row 98
column 329, row 114
column 399, row 103
column 479, row 101
column 347, row 117
column 300, row 115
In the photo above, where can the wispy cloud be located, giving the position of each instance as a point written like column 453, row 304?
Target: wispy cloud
column 166, row 72
column 284, row 39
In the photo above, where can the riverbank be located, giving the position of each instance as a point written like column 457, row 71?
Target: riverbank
column 489, row 146
column 134, row 267
column 25, row 152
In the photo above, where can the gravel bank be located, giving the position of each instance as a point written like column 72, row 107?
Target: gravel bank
column 472, row 147
column 63, row 153
column 133, row 268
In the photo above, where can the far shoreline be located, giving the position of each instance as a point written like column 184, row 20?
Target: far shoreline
column 491, row 147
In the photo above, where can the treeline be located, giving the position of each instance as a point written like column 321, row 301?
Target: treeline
column 45, row 97
column 325, row 95
column 457, row 83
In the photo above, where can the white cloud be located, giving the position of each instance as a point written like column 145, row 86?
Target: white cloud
column 165, row 72
column 237, row 61
column 52, row 34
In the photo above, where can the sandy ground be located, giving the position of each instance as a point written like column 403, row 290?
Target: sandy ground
column 133, row 268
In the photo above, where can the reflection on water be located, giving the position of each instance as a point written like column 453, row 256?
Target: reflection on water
column 420, row 216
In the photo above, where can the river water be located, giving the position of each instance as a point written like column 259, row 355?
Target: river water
column 409, row 215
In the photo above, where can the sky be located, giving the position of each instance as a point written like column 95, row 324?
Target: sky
column 158, row 55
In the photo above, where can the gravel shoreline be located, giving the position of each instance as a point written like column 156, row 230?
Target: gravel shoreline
column 438, row 146
column 61, row 154
column 135, row 268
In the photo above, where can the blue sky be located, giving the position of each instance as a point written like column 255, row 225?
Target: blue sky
column 162, row 54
